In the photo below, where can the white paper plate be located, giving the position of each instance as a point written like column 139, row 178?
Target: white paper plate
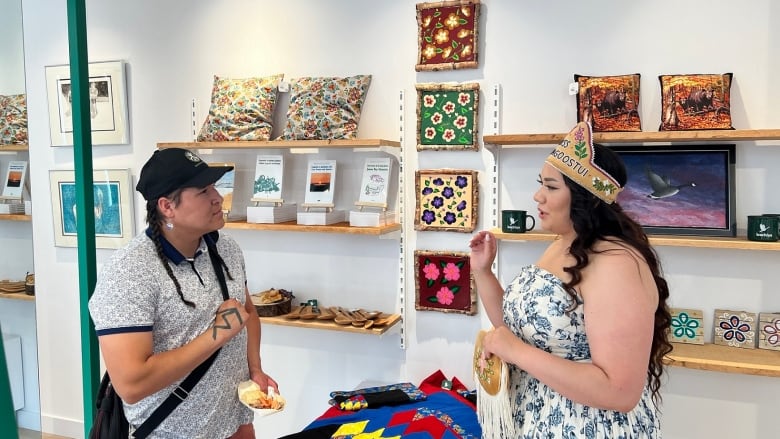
column 246, row 386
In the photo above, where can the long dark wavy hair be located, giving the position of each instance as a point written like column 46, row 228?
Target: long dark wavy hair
column 594, row 221
column 155, row 219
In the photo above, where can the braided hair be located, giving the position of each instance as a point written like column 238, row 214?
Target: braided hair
column 155, row 219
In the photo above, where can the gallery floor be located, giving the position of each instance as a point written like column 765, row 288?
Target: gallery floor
column 30, row 434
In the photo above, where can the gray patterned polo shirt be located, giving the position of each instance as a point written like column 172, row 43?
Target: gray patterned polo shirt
column 134, row 293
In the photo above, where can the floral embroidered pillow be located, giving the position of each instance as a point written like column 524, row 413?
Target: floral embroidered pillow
column 241, row 109
column 695, row 102
column 13, row 119
column 609, row 103
column 325, row 107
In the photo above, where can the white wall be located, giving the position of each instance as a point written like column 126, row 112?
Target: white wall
column 530, row 49
column 11, row 53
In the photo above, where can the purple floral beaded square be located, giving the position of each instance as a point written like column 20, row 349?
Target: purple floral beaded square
column 447, row 199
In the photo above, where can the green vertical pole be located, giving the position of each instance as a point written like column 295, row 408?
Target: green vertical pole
column 7, row 414
column 85, row 226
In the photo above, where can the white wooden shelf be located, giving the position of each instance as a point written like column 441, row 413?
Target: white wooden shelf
column 15, row 217
column 18, row 296
column 14, row 147
column 727, row 359
column 521, row 140
column 292, row 226
column 330, row 326
column 739, row 243
column 284, row 144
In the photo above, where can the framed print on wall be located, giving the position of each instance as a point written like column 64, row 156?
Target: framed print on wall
column 447, row 35
column 113, row 207
column 680, row 190
column 443, row 282
column 446, row 200
column 447, row 116
column 107, row 104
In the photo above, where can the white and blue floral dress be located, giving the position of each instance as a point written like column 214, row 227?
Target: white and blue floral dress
column 535, row 305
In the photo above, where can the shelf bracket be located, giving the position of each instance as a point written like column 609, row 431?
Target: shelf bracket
column 495, row 128
column 401, row 215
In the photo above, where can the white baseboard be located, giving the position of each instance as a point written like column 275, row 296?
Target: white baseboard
column 71, row 428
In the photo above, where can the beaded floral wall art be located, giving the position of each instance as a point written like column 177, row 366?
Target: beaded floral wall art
column 447, row 116
column 447, row 35
column 446, row 200
column 443, row 282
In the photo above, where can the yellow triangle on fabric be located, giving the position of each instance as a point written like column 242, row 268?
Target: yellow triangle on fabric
column 374, row 435
column 352, row 428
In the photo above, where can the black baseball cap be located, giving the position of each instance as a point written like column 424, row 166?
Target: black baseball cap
column 175, row 168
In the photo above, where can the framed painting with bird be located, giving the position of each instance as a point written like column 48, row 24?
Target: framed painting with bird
column 680, row 190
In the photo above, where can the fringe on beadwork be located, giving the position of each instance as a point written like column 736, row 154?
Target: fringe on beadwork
column 494, row 412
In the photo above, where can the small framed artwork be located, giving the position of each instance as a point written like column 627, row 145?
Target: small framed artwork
column 447, row 35
column 446, row 200
column 225, row 186
column 769, row 331
column 680, row 190
column 447, row 116
column 734, row 328
column 443, row 282
column 113, row 207
column 687, row 326
column 107, row 104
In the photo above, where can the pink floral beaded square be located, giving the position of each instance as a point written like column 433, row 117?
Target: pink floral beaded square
column 443, row 282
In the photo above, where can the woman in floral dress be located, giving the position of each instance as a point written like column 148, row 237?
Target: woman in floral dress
column 584, row 328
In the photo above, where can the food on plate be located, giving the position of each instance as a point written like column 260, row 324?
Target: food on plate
column 258, row 399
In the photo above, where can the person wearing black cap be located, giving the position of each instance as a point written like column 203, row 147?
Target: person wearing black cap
column 159, row 310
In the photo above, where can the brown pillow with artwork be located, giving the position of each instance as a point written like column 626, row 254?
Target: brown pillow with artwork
column 695, row 102
column 609, row 103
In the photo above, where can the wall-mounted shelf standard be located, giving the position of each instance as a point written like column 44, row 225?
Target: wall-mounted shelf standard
column 725, row 359
column 15, row 217
column 17, row 296
column 739, row 243
column 14, row 147
column 520, row 140
column 292, row 226
column 330, row 326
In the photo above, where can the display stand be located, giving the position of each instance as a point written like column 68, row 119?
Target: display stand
column 361, row 218
column 270, row 211
column 11, row 205
column 324, row 216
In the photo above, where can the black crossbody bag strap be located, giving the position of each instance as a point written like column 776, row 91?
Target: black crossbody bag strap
column 181, row 392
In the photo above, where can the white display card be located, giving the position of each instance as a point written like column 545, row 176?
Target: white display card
column 320, row 182
column 376, row 180
column 15, row 179
column 269, row 178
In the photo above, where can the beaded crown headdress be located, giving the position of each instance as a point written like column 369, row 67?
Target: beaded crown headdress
column 575, row 158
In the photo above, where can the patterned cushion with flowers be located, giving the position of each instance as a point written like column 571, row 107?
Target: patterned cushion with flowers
column 241, row 109
column 325, row 107
column 13, row 119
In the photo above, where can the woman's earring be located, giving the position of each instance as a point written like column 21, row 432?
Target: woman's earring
column 169, row 226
